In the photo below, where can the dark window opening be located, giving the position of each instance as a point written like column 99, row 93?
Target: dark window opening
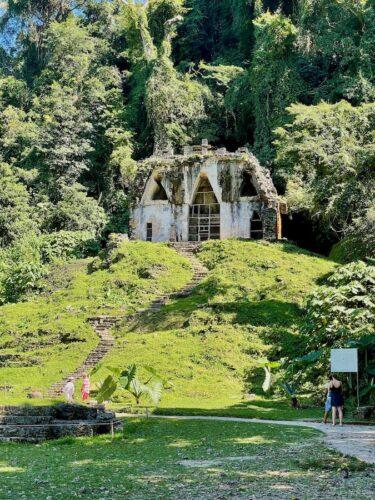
column 149, row 231
column 256, row 227
column 159, row 193
column 247, row 186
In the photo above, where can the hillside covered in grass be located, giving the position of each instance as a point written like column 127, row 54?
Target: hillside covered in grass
column 210, row 345
column 44, row 339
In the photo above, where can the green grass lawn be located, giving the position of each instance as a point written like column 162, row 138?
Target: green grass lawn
column 209, row 344
column 47, row 337
column 184, row 459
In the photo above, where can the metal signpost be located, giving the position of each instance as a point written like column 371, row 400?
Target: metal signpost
column 345, row 361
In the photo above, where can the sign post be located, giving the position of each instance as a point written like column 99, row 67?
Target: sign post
column 345, row 361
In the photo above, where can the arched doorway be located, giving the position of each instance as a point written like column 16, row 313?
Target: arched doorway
column 204, row 217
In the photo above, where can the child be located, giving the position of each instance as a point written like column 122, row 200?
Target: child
column 328, row 403
column 69, row 389
column 85, row 389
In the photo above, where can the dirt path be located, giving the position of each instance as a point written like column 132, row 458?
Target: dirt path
column 353, row 440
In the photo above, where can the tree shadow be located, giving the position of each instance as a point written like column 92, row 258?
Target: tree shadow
column 270, row 312
column 268, row 409
column 176, row 313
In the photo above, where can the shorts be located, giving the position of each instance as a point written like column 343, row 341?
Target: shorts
column 328, row 405
column 85, row 395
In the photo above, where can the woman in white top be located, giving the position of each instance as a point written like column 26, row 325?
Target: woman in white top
column 69, row 389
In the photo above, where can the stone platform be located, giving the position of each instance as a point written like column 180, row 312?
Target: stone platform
column 39, row 423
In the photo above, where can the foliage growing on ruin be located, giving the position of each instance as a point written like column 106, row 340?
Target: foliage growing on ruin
column 247, row 310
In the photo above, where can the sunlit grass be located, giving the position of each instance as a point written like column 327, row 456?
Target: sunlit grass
column 174, row 459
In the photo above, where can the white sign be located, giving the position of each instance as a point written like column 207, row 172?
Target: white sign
column 344, row 360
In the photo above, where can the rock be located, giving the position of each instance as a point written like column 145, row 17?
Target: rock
column 365, row 412
column 6, row 388
column 35, row 395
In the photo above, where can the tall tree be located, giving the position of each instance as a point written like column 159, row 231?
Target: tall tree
column 335, row 36
column 27, row 21
column 271, row 83
column 216, row 31
column 327, row 156
column 175, row 103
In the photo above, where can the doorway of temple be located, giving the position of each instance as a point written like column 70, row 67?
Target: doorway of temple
column 204, row 217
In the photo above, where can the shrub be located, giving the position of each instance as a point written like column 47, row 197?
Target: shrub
column 21, row 269
column 23, row 278
column 67, row 245
column 342, row 310
column 76, row 212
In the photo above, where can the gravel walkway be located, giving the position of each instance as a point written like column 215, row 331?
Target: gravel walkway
column 352, row 440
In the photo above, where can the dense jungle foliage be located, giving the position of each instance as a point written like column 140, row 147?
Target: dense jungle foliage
column 87, row 87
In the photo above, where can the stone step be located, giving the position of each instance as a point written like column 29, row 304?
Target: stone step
column 18, row 439
column 24, row 419
column 54, row 422
column 21, row 432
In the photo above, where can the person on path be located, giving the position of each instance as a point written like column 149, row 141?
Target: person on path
column 69, row 389
column 337, row 399
column 85, row 389
column 328, row 403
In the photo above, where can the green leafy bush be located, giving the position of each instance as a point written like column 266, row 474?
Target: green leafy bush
column 343, row 309
column 341, row 313
column 68, row 245
column 21, row 269
column 15, row 211
column 76, row 212
column 23, row 278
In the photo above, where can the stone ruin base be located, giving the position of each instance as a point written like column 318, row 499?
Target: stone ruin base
column 40, row 423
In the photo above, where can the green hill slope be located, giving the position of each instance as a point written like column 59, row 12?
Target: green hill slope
column 46, row 338
column 209, row 344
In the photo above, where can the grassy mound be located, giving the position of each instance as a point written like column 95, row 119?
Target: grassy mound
column 209, row 344
column 44, row 339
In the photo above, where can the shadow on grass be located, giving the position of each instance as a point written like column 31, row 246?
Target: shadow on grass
column 262, row 409
column 176, row 314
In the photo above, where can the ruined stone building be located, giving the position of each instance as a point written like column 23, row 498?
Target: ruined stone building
column 205, row 194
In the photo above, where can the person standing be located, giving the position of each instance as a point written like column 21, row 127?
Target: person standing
column 337, row 399
column 85, row 389
column 69, row 389
column 328, row 403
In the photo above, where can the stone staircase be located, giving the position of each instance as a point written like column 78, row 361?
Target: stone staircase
column 102, row 326
column 187, row 250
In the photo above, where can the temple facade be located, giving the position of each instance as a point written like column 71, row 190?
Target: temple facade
column 205, row 194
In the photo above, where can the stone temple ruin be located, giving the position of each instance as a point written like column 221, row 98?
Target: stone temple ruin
column 205, row 194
